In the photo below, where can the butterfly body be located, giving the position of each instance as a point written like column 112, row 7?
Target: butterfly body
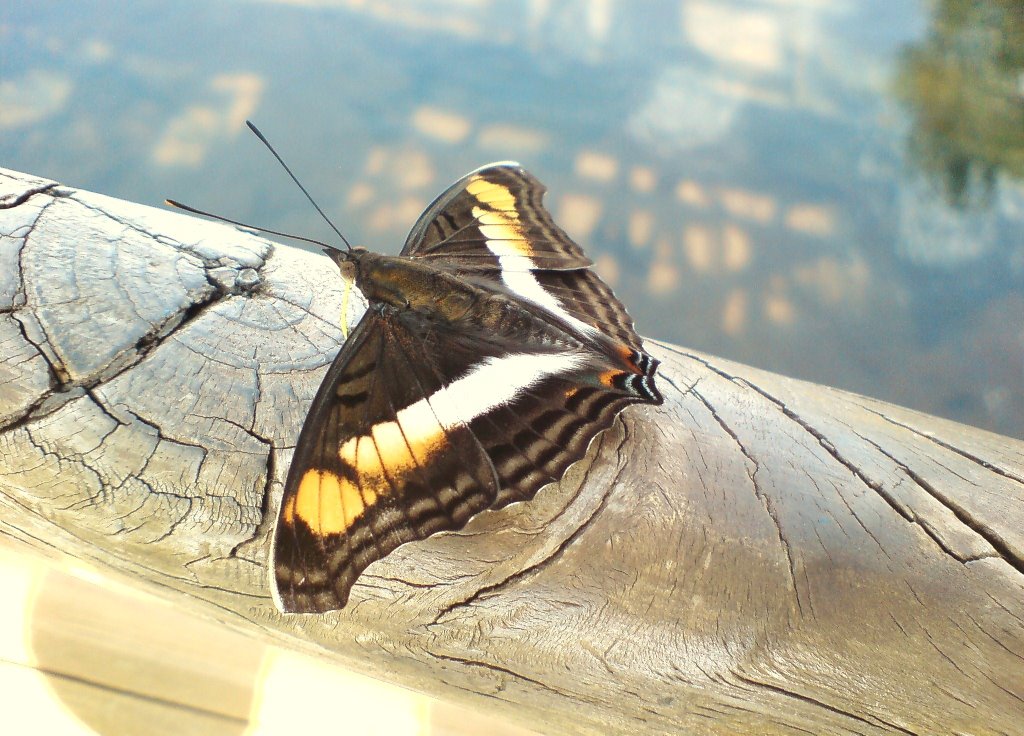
column 433, row 294
column 489, row 357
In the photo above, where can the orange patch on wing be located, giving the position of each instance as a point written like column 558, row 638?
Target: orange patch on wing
column 608, row 377
column 392, row 450
column 627, row 354
column 327, row 503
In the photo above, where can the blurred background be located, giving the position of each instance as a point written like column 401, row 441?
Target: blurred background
column 831, row 189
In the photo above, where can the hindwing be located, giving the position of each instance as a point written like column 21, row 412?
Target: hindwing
column 418, row 426
column 374, row 467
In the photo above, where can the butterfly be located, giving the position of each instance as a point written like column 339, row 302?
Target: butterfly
column 489, row 356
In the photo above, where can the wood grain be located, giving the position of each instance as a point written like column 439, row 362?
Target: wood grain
column 759, row 555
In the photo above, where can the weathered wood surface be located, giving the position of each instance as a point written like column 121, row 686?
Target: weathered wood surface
column 759, row 555
column 101, row 656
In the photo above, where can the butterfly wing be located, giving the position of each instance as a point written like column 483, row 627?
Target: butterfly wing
column 419, row 425
column 374, row 467
column 491, row 213
column 534, row 409
column 492, row 226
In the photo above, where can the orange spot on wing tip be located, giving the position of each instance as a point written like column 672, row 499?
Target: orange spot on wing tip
column 572, row 392
column 629, row 355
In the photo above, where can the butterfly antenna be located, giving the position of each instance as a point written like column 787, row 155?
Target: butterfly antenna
column 204, row 213
column 312, row 201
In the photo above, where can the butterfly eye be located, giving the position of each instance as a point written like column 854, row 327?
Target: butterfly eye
column 348, row 269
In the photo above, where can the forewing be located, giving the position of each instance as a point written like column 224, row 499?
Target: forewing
column 493, row 219
column 492, row 227
column 375, row 467
column 585, row 297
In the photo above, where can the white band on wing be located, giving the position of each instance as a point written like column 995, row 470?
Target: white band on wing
column 492, row 383
column 506, row 241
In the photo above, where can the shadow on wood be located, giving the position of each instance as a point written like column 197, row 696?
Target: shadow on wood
column 758, row 556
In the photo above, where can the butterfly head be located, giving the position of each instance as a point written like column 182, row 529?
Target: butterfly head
column 396, row 281
column 347, row 260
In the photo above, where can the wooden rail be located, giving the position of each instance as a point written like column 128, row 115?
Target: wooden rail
column 759, row 555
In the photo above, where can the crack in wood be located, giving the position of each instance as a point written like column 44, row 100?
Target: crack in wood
column 181, row 246
column 124, row 360
column 766, row 501
column 822, row 440
column 984, row 532
column 963, row 515
column 807, row 699
column 23, row 197
column 267, row 519
column 991, row 467
column 494, row 668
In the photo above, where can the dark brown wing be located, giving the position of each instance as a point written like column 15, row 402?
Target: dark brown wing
column 419, row 425
column 374, row 468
